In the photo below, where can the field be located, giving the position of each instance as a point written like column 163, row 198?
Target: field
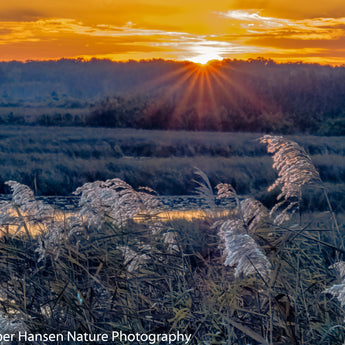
column 264, row 273
column 55, row 160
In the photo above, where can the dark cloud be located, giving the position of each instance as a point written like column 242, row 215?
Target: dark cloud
column 72, row 47
column 4, row 32
column 20, row 15
column 332, row 27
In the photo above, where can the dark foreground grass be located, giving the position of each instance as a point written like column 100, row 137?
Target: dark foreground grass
column 254, row 277
column 90, row 285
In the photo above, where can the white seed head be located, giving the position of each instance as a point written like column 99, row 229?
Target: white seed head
column 225, row 190
column 338, row 290
column 116, row 199
column 241, row 251
column 132, row 259
column 295, row 169
column 254, row 213
column 23, row 198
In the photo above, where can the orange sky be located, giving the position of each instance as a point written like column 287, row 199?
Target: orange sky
column 196, row 30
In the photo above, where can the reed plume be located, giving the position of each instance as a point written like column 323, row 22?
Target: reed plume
column 26, row 207
column 225, row 190
column 338, row 290
column 56, row 232
column 132, row 259
column 116, row 199
column 295, row 169
column 241, row 251
column 204, row 188
column 23, row 210
column 254, row 214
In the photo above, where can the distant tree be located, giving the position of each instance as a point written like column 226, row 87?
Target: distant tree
column 254, row 95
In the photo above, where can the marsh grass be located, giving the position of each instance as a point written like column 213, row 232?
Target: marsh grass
column 236, row 278
column 56, row 161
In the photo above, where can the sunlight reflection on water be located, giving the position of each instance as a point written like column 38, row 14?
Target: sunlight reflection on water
column 36, row 228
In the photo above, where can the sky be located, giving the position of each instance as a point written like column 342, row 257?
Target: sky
column 194, row 30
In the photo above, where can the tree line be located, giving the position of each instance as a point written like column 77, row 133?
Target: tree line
column 229, row 95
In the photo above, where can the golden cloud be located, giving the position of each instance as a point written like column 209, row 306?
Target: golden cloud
column 110, row 39
column 246, row 33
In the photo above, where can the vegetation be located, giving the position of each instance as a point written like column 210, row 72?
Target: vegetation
column 231, row 95
column 56, row 161
column 257, row 276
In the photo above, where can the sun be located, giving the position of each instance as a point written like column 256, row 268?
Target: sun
column 204, row 54
column 204, row 59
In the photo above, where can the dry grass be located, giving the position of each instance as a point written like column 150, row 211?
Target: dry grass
column 239, row 278
column 56, row 161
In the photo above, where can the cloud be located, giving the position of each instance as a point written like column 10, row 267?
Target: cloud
column 288, row 38
column 111, row 39
column 256, row 25
column 288, row 9
column 20, row 15
column 249, row 34
column 254, row 17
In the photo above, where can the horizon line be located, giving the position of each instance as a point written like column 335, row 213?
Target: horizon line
column 211, row 62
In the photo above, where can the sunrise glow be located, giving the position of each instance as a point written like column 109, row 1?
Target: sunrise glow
column 205, row 55
column 183, row 30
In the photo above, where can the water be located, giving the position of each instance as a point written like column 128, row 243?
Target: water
column 168, row 202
